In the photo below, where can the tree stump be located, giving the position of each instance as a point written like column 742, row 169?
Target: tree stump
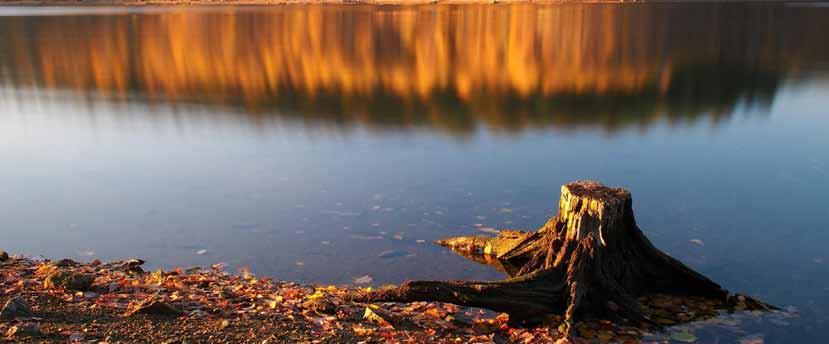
column 591, row 259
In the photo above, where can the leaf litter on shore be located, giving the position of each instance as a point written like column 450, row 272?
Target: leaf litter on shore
column 206, row 296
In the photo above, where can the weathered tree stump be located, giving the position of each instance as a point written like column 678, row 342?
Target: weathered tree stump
column 591, row 259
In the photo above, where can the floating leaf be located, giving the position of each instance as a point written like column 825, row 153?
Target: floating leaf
column 363, row 280
column 488, row 230
column 367, row 237
column 684, row 337
column 752, row 339
column 392, row 254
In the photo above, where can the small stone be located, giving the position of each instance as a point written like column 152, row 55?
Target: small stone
column 15, row 307
column 24, row 330
column 64, row 263
column 90, row 295
column 131, row 266
column 69, row 280
column 153, row 306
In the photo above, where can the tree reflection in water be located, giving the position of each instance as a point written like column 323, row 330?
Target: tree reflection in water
column 447, row 68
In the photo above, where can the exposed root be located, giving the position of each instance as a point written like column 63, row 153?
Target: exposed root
column 590, row 260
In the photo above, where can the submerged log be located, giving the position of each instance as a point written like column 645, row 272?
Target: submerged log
column 591, row 259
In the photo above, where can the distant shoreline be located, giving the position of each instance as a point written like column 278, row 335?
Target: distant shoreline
column 139, row 3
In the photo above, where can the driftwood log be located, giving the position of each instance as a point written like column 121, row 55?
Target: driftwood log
column 591, row 259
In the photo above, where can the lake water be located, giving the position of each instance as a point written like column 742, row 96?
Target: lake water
column 326, row 143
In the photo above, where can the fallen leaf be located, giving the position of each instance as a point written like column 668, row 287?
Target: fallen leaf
column 318, row 294
column 370, row 315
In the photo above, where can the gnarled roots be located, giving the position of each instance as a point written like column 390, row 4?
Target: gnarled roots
column 591, row 259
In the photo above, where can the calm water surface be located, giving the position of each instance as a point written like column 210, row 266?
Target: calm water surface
column 325, row 143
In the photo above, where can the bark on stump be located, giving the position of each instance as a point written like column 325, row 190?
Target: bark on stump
column 591, row 259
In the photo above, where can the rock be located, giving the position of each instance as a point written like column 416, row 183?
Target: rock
column 15, row 307
column 129, row 266
column 24, row 330
column 321, row 306
column 154, row 306
column 69, row 280
column 132, row 266
column 134, row 262
column 4, row 256
column 64, row 263
column 89, row 295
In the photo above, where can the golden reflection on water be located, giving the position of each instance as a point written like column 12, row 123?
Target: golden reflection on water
column 510, row 66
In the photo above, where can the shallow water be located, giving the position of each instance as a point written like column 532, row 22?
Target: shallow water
column 327, row 143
